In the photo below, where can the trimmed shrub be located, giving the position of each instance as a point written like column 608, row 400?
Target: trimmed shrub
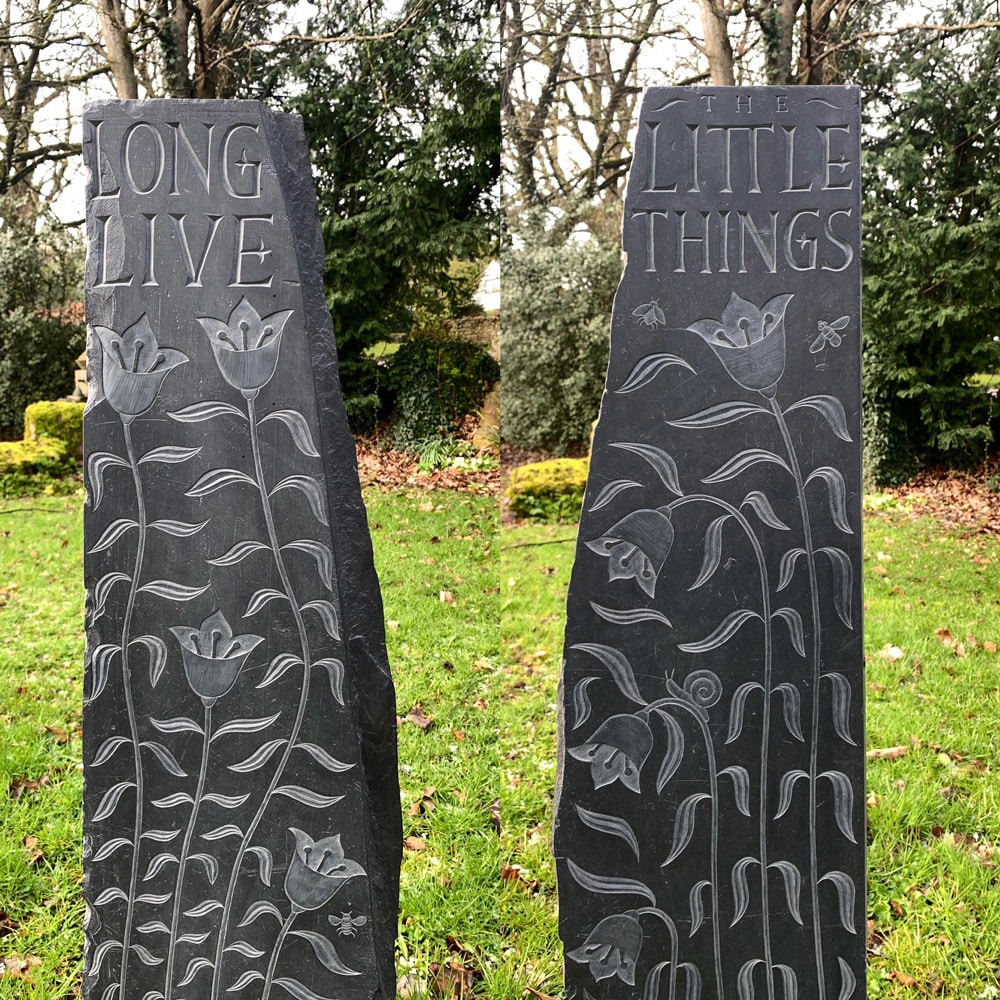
column 437, row 381
column 550, row 491
column 60, row 420
column 31, row 466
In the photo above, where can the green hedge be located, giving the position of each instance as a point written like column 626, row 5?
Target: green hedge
column 61, row 420
column 550, row 491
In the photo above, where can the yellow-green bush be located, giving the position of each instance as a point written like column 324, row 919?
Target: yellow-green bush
column 550, row 490
column 61, row 421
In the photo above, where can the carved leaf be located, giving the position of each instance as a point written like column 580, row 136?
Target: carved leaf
column 684, row 824
column 713, row 551
column 697, row 905
column 160, row 836
column 326, row 953
column 157, row 655
column 313, row 494
column 741, row 786
column 258, row 909
column 843, row 803
column 205, row 411
column 794, row 622
column 581, row 701
column 744, row 981
column 221, row 832
column 145, row 955
column 792, row 878
column 112, row 533
column 211, row 865
column 647, row 368
column 737, row 707
column 692, row 987
column 841, row 706
column 792, row 704
column 265, row 863
column 632, row 616
column 743, row 461
column 335, row 669
column 108, row 748
column 618, row 666
column 97, row 465
column 172, row 801
column 278, row 666
column 831, row 409
column 179, row 529
column 296, row 424
column 178, row 725
column 845, row 898
column 169, row 454
column 307, row 797
column 321, row 553
column 741, row 891
column 675, row 751
column 109, row 896
column 761, row 506
column 153, row 899
column 153, row 927
column 785, row 789
column 172, row 591
column 110, row 847
column 652, row 988
column 327, row 615
column 226, row 801
column 789, row 981
column 238, row 553
column 726, row 629
column 100, row 663
column 610, row 886
column 297, row 990
column 110, row 800
column 194, row 938
column 158, row 864
column 260, row 598
column 837, row 490
column 101, row 952
column 663, row 465
column 787, row 567
column 258, row 758
column 252, row 975
column 843, row 578
column 216, row 479
column 104, row 586
column 323, row 758
column 245, row 948
column 848, row 981
column 245, row 726
column 194, row 967
column 165, row 757
column 610, row 490
column 719, row 415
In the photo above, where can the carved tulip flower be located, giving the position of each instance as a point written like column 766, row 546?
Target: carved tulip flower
column 213, row 656
column 749, row 341
column 246, row 345
column 134, row 367
column 318, row 871
column 617, row 751
column 637, row 547
column 612, row 948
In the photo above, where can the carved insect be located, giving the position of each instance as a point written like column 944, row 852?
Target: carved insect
column 346, row 923
column 828, row 334
column 650, row 314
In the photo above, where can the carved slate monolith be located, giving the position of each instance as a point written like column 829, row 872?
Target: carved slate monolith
column 710, row 816
column 241, row 806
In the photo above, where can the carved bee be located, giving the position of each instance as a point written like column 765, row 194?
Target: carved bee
column 346, row 923
column 650, row 314
column 828, row 334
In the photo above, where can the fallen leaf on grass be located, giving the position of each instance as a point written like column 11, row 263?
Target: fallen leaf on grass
column 990, row 647
column 59, row 735
column 446, row 597
column 392, row 626
column 20, row 786
column 414, row 843
column 452, row 980
column 15, row 967
column 890, row 652
column 887, row 753
column 516, row 874
column 7, row 924
column 419, row 717
column 425, row 804
column 902, row 978
column 34, row 854
column 495, row 815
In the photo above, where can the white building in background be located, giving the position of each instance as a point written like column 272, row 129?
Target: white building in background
column 488, row 293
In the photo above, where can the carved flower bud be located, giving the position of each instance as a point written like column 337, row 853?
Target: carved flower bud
column 637, row 547
column 617, row 751
column 213, row 656
column 318, row 870
column 612, row 948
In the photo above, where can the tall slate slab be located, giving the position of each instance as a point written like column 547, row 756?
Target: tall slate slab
column 710, row 816
column 241, row 805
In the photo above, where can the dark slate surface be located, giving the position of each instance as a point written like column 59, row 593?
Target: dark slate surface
column 242, row 827
column 710, row 817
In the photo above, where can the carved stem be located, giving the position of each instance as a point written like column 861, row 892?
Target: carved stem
column 672, row 927
column 189, row 833
column 140, row 553
column 282, row 934
column 300, row 625
column 817, row 669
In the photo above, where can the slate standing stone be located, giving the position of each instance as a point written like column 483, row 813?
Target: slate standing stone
column 241, row 806
column 710, row 816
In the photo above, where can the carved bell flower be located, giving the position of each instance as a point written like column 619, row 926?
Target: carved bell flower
column 749, row 341
column 246, row 345
column 318, row 870
column 134, row 366
column 617, row 751
column 637, row 547
column 213, row 656
column 612, row 948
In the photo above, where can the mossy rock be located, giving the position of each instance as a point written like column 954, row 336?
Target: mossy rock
column 550, row 491
column 60, row 421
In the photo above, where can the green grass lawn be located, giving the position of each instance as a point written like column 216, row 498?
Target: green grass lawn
column 481, row 910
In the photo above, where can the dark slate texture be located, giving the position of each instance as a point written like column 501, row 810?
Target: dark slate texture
column 241, row 806
column 710, row 817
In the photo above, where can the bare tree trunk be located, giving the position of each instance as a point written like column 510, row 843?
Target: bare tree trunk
column 116, row 45
column 718, row 50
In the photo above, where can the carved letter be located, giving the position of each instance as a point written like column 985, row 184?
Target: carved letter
column 106, row 246
column 789, row 187
column 103, row 166
column 650, row 236
column 158, row 157
column 242, row 250
column 743, row 105
column 150, row 278
column 202, row 169
column 653, row 158
column 829, row 163
column 845, row 247
column 194, row 272
column 706, row 267
column 244, row 163
column 768, row 255
column 803, row 241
